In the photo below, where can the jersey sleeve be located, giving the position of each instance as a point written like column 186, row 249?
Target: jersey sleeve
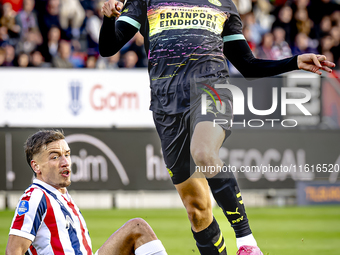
column 133, row 13
column 233, row 29
column 115, row 34
column 237, row 51
column 29, row 214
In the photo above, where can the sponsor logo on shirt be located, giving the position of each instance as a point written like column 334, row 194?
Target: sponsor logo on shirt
column 215, row 2
column 69, row 222
column 165, row 18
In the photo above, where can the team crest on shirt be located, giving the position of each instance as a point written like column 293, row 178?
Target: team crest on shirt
column 23, row 207
column 215, row 2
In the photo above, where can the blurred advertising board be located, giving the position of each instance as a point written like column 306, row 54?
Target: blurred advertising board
column 102, row 159
column 131, row 159
column 280, row 158
column 317, row 193
column 74, row 98
column 121, row 98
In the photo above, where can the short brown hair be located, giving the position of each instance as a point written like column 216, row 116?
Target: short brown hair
column 34, row 143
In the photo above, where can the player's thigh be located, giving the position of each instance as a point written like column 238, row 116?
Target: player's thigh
column 128, row 238
column 210, row 129
column 207, row 137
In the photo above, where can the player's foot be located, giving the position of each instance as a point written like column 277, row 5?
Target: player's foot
column 249, row 250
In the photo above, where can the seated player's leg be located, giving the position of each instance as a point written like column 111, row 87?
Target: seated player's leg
column 134, row 237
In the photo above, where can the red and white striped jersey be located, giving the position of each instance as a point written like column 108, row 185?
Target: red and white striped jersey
column 52, row 221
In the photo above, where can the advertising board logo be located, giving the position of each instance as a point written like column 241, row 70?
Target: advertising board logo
column 155, row 166
column 101, row 99
column 23, row 101
column 317, row 192
column 98, row 164
column 75, row 104
column 271, row 164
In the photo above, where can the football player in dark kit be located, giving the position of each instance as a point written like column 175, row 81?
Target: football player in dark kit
column 188, row 43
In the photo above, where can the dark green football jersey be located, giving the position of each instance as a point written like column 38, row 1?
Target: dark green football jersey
column 184, row 42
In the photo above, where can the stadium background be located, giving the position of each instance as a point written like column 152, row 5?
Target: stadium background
column 102, row 106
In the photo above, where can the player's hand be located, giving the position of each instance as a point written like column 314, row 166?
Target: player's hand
column 111, row 8
column 314, row 63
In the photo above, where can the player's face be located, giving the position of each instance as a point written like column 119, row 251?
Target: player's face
column 54, row 165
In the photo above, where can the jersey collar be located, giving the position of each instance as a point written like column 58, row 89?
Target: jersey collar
column 49, row 187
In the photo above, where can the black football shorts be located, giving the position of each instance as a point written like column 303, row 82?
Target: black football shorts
column 175, row 131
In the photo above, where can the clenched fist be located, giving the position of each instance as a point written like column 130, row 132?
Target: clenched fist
column 111, row 8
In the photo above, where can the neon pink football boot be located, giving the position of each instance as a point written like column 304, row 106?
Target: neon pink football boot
column 249, row 250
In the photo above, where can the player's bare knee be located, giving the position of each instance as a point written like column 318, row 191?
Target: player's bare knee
column 140, row 228
column 137, row 225
column 197, row 217
column 140, row 232
column 203, row 156
column 198, row 211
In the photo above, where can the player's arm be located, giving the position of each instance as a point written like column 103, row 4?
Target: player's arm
column 27, row 220
column 237, row 50
column 17, row 245
column 250, row 67
column 115, row 34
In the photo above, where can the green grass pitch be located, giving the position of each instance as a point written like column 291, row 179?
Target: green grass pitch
column 279, row 231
